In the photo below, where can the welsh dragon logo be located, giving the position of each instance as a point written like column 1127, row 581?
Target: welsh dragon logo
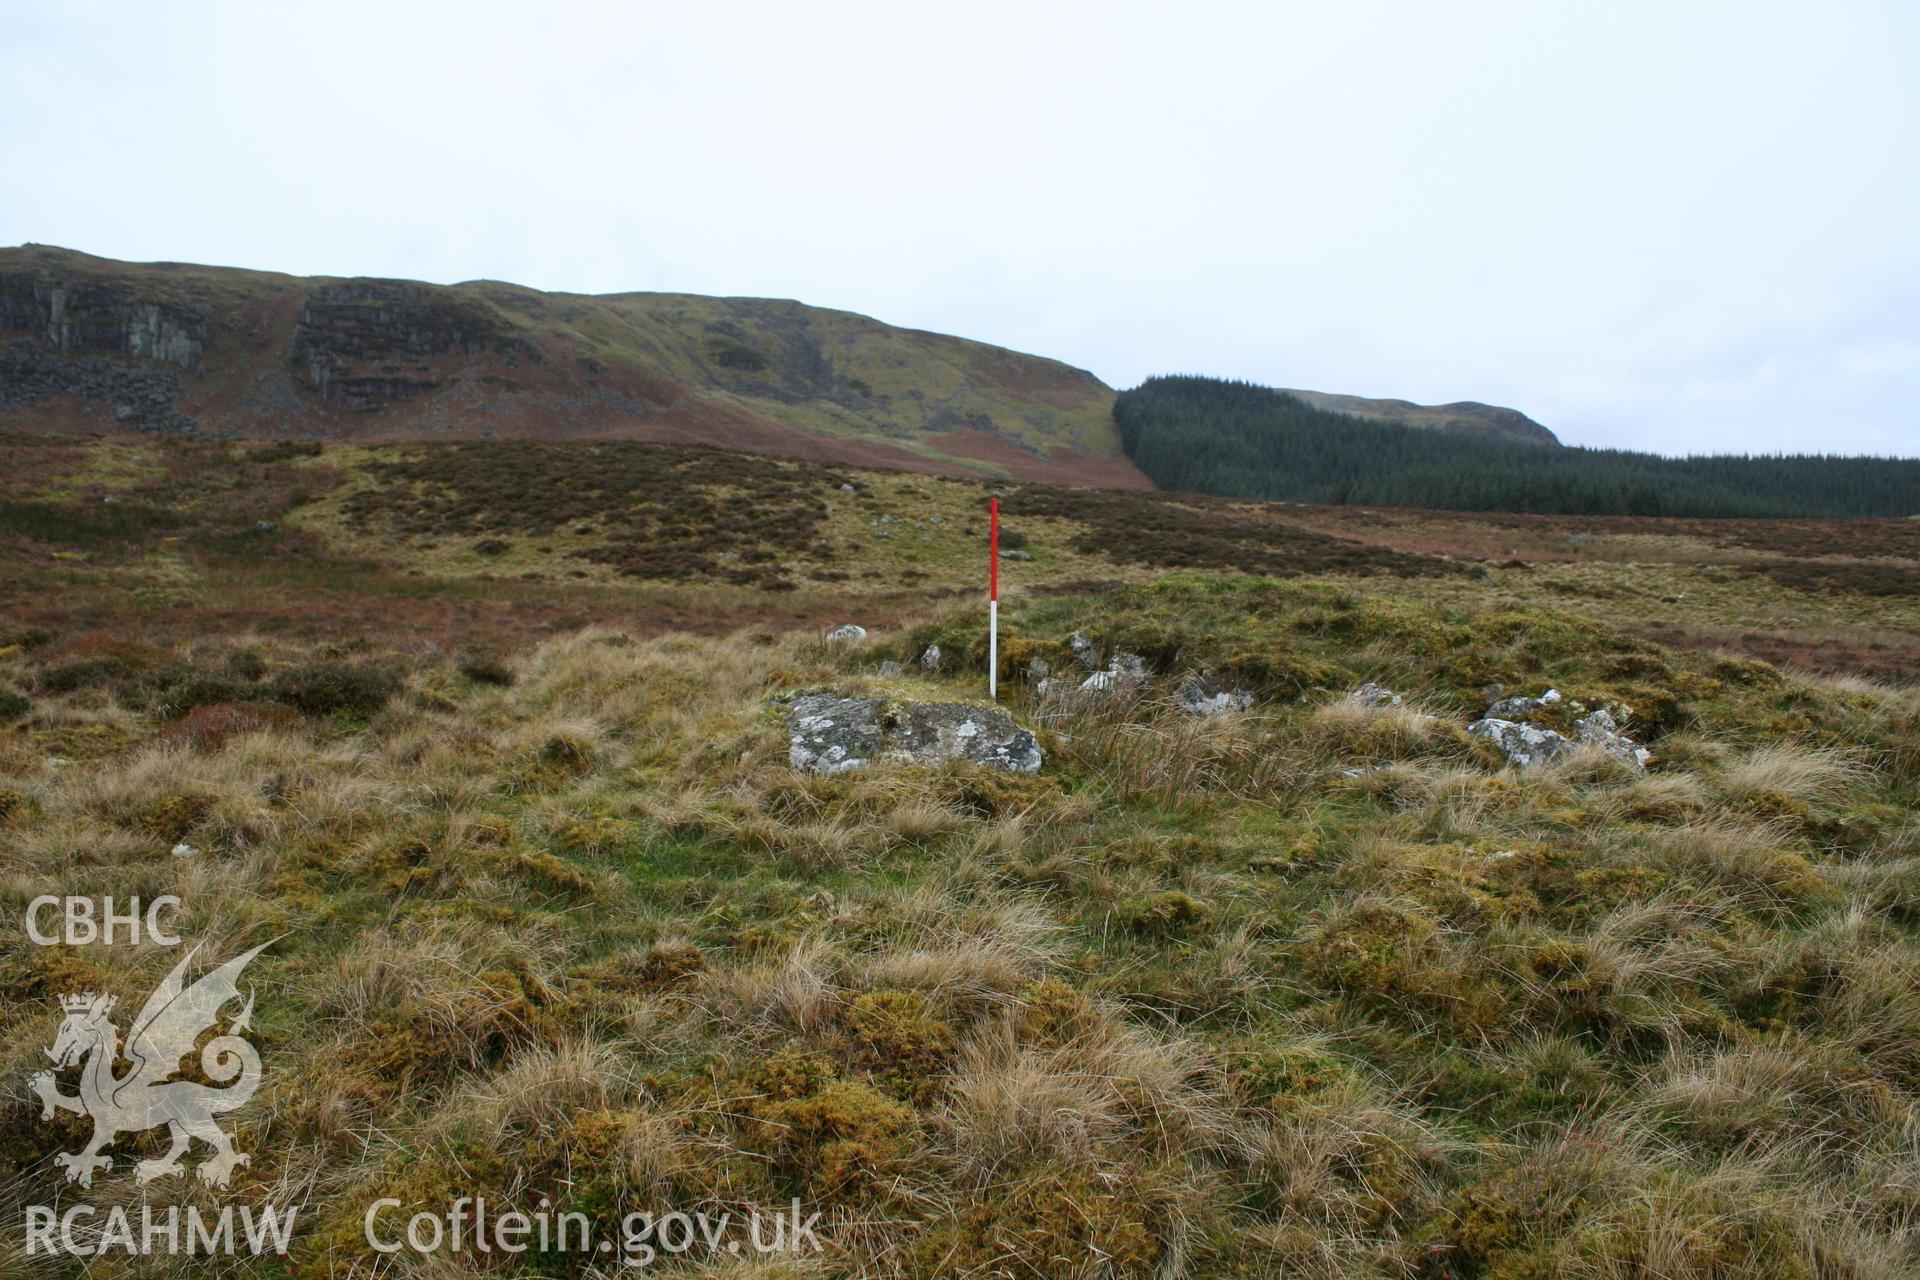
column 173, row 1019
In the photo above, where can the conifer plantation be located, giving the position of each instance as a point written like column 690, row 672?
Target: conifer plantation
column 1207, row 435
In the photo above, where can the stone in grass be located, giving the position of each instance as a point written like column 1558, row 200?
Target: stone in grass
column 1085, row 652
column 1522, row 708
column 1528, row 745
column 930, row 659
column 850, row 633
column 1127, row 671
column 1373, row 695
column 1201, row 696
column 1599, row 729
column 832, row 734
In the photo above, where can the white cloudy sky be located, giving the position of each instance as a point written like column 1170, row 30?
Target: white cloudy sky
column 1682, row 227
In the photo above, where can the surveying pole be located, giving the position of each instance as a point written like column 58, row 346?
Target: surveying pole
column 993, row 599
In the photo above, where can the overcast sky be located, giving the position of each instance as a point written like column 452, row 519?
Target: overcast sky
column 1683, row 227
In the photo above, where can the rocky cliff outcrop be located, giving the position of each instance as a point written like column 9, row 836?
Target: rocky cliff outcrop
column 366, row 343
column 86, row 316
column 141, row 394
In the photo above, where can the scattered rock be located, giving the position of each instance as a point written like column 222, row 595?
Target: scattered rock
column 1084, row 651
column 832, row 734
column 1599, row 729
column 1126, row 671
column 184, row 850
column 849, row 633
column 1016, row 554
column 141, row 394
column 1373, row 695
column 1531, row 744
column 846, row 488
column 1522, row 708
column 889, row 669
column 930, row 660
column 1039, row 669
column 1200, row 696
column 264, row 526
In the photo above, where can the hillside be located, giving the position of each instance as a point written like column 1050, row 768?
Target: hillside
column 1467, row 416
column 1208, row 435
column 92, row 344
column 490, row 741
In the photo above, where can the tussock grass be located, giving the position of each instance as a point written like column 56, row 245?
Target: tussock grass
column 1316, row 989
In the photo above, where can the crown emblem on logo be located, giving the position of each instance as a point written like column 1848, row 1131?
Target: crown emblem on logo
column 86, row 1001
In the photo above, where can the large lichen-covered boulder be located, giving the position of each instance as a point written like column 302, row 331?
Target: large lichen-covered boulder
column 832, row 734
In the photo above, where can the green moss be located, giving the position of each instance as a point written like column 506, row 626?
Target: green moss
column 897, row 1038
column 1054, row 1223
column 833, row 1139
column 1168, row 914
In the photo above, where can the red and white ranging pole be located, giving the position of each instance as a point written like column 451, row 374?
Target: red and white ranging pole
column 993, row 599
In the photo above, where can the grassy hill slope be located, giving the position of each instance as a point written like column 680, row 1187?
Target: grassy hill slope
column 94, row 344
column 1468, row 416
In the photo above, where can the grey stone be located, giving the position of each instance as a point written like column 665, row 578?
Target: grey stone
column 848, row 633
column 1373, row 695
column 1084, row 651
column 1039, row 669
column 832, row 734
column 1524, row 744
column 1531, row 744
column 1522, row 708
column 1598, row 728
column 1016, row 554
column 930, row 660
column 1201, row 696
column 889, row 669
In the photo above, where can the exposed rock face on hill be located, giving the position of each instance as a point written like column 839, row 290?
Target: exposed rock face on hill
column 1463, row 415
column 363, row 343
column 263, row 355
column 82, row 316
